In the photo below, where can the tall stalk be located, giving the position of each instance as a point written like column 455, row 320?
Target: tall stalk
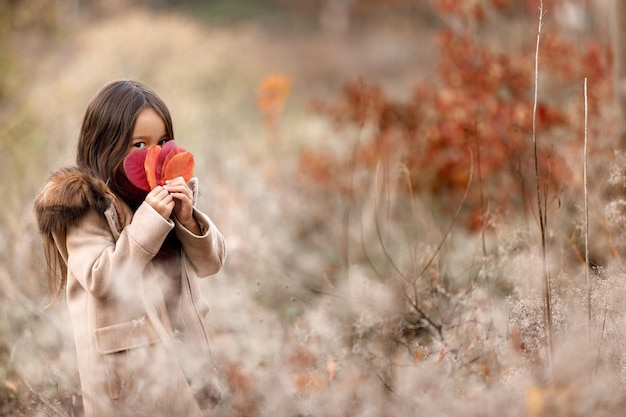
column 588, row 279
column 543, row 218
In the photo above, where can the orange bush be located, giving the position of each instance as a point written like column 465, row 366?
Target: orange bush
column 479, row 106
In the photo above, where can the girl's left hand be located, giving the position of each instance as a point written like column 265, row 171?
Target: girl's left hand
column 183, row 207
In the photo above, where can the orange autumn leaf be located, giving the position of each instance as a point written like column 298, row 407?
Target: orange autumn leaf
column 173, row 150
column 150, row 164
column 180, row 165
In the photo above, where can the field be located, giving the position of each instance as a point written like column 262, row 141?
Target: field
column 371, row 272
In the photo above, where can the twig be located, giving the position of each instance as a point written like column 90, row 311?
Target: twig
column 572, row 242
column 407, row 176
column 422, row 315
column 587, row 218
column 406, row 401
column 542, row 209
column 482, row 193
column 53, row 408
column 379, row 232
column 452, row 224
column 351, row 194
column 602, row 336
column 413, row 302
column 612, row 245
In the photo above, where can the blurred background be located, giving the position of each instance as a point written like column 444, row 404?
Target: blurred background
column 371, row 164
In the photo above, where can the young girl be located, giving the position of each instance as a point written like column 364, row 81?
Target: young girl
column 128, row 261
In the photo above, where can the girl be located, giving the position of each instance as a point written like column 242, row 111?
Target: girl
column 128, row 261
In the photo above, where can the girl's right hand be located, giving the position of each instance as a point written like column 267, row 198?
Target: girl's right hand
column 161, row 200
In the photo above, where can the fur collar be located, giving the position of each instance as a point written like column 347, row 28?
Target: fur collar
column 66, row 197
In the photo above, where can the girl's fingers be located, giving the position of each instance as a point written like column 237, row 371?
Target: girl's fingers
column 178, row 189
column 161, row 200
column 176, row 182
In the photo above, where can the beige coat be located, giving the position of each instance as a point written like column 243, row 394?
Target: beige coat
column 139, row 352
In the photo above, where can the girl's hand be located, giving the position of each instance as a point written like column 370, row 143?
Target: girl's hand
column 161, row 200
column 183, row 207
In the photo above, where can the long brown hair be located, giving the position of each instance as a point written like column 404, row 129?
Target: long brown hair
column 104, row 140
column 107, row 128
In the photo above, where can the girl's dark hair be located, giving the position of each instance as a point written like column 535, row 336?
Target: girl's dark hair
column 106, row 132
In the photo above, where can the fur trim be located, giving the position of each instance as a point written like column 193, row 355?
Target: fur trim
column 66, row 197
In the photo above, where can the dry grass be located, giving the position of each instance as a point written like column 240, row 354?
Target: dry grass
column 310, row 318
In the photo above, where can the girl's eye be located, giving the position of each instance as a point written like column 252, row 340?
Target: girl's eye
column 163, row 141
column 139, row 145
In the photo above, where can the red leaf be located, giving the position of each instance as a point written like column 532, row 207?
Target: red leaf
column 160, row 163
column 134, row 169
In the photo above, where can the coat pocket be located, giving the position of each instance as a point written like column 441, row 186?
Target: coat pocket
column 119, row 345
column 124, row 336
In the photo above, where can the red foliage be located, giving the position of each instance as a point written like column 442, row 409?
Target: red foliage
column 482, row 100
column 147, row 168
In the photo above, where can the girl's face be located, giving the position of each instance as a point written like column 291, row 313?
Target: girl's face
column 149, row 130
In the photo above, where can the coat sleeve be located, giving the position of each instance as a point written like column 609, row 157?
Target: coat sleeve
column 102, row 265
column 206, row 253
